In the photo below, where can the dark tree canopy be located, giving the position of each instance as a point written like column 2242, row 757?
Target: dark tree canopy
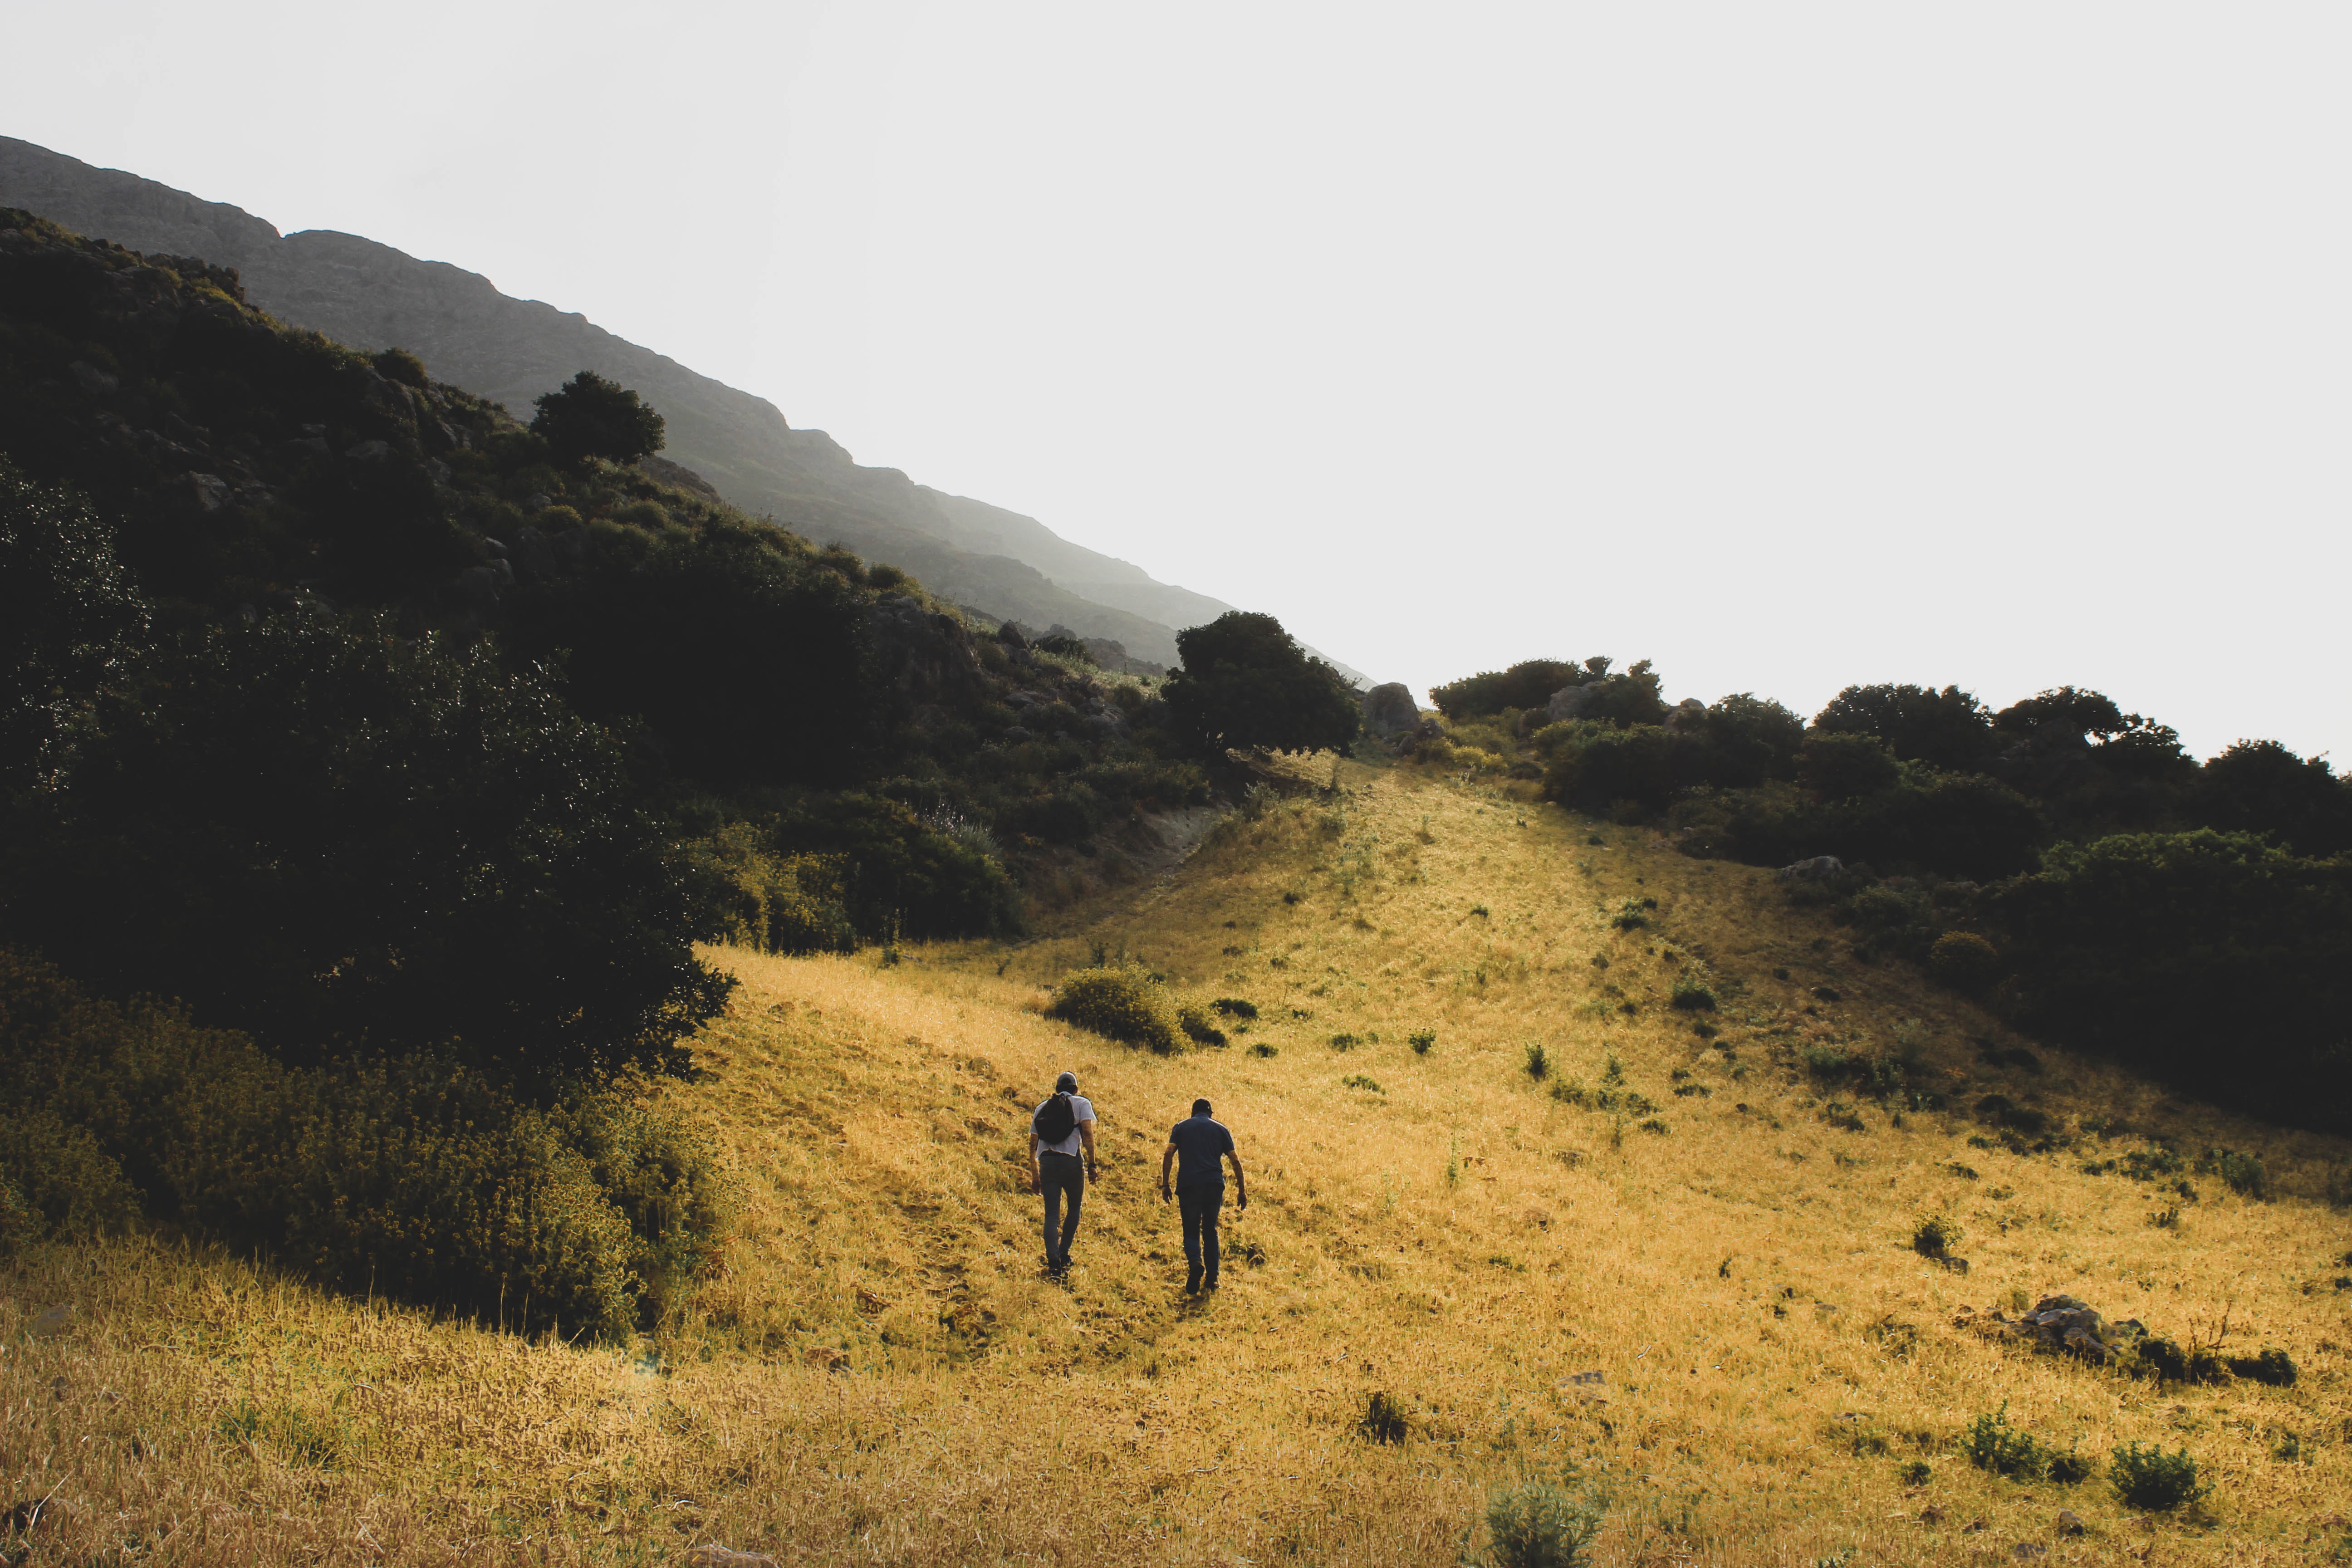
column 69, row 614
column 1248, row 685
column 589, row 416
column 1529, row 684
column 320, row 833
column 1919, row 724
column 2259, row 787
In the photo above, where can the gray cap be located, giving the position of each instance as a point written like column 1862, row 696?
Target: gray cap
column 1066, row 1084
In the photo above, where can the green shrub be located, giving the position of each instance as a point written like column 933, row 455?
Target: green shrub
column 1361, row 1080
column 1343, row 1042
column 2148, row 1477
column 1992, row 1444
column 1525, row 685
column 1538, row 1065
column 1935, row 1234
column 746, row 892
column 61, row 1182
column 1263, row 1049
column 1633, row 915
column 2067, row 1467
column 1539, row 1525
column 400, row 365
column 2273, row 1366
column 1837, row 767
column 1964, row 961
column 2151, row 947
column 589, row 416
column 1194, row 1020
column 1234, row 1007
column 2242, row 1174
column 1125, row 1005
column 2167, row 1359
column 1421, row 1041
column 417, row 1177
column 1693, row 996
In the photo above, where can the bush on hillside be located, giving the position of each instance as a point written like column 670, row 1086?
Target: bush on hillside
column 2164, row 950
column 1593, row 766
column 589, row 416
column 1527, row 685
column 1964, row 961
column 414, row 1177
column 1124, row 1004
column 1947, row 729
column 2149, row 1479
column 905, row 876
column 1193, row 1019
column 1992, row 1444
column 1840, row 767
column 1748, row 739
column 400, row 365
column 325, row 833
column 1627, row 699
column 1537, row 1524
column 1245, row 685
column 747, row 893
column 1935, row 1234
column 2259, row 787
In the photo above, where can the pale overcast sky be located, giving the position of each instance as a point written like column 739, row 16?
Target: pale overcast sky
column 1787, row 345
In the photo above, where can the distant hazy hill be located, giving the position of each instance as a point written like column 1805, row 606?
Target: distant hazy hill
column 371, row 296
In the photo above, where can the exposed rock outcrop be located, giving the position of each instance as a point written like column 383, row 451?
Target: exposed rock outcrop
column 1389, row 711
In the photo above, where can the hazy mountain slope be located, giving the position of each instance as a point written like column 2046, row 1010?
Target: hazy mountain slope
column 371, row 296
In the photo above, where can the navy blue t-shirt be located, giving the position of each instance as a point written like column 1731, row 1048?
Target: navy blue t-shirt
column 1199, row 1143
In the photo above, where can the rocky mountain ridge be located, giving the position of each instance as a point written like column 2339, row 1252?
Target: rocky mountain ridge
column 371, row 296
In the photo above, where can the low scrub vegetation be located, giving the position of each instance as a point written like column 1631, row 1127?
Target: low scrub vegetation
column 1990, row 1443
column 1122, row 1003
column 420, row 1177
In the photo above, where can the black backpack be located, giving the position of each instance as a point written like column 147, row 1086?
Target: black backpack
column 1056, row 1118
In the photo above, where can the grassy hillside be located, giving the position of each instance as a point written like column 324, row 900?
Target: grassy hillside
column 878, row 1372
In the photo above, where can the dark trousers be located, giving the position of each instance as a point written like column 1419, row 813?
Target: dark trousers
column 1200, row 1206
column 1057, row 1174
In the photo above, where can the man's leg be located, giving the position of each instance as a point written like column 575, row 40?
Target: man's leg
column 1078, row 1179
column 1049, row 1182
column 1190, row 1205
column 1210, row 1202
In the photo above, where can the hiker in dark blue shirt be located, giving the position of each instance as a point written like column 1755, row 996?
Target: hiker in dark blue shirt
column 1202, row 1145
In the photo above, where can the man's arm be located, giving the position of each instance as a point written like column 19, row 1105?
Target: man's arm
column 1087, row 1135
column 1036, row 1174
column 1241, row 1183
column 1167, row 1158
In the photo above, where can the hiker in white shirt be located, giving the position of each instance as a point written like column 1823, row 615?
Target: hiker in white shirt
column 1057, row 1130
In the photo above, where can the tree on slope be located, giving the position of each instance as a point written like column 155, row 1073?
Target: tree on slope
column 1246, row 685
column 589, row 416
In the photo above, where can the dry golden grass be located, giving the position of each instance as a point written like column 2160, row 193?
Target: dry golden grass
column 879, row 1373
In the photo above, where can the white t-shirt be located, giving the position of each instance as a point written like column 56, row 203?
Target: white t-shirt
column 1080, row 1107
